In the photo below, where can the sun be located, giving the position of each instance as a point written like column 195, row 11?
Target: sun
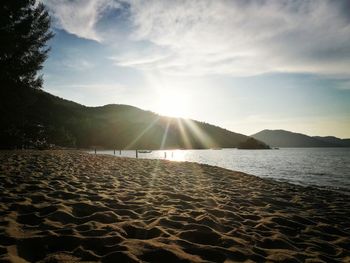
column 173, row 104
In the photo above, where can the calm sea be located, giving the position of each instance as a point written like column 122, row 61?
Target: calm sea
column 321, row 167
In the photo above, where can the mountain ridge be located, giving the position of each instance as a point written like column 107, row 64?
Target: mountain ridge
column 284, row 138
column 40, row 117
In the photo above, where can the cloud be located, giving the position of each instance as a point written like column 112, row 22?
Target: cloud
column 245, row 37
column 142, row 60
column 80, row 17
column 77, row 64
column 237, row 38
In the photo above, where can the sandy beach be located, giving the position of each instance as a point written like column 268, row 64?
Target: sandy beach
column 69, row 206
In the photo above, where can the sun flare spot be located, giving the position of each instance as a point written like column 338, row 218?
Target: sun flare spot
column 173, row 104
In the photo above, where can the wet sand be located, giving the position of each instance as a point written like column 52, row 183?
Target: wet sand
column 68, row 206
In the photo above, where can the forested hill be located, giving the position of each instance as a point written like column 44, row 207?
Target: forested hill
column 282, row 138
column 34, row 117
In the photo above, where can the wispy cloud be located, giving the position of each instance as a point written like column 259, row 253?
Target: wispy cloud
column 247, row 37
column 145, row 61
column 77, row 64
column 79, row 17
column 236, row 38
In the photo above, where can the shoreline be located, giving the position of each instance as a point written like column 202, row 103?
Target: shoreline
column 72, row 206
column 337, row 189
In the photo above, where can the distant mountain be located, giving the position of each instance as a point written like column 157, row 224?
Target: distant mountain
column 334, row 140
column 282, row 138
column 34, row 117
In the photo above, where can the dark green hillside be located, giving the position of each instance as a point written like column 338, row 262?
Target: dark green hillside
column 35, row 118
column 253, row 144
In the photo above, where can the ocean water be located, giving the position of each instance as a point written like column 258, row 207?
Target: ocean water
column 321, row 167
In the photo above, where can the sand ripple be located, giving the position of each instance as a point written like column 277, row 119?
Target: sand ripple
column 67, row 206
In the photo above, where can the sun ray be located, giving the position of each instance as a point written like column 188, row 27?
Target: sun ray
column 165, row 134
column 132, row 143
column 183, row 133
column 204, row 138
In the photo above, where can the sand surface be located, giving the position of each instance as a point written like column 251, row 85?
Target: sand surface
column 61, row 206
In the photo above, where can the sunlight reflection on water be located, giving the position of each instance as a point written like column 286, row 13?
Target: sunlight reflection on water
column 322, row 167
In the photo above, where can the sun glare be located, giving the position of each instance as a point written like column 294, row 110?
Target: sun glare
column 173, row 104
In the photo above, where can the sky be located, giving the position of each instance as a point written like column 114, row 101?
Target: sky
column 244, row 65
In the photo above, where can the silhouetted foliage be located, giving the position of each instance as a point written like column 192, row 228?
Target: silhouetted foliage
column 24, row 31
column 48, row 120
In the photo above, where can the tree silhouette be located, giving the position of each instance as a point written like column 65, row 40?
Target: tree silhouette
column 24, row 32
